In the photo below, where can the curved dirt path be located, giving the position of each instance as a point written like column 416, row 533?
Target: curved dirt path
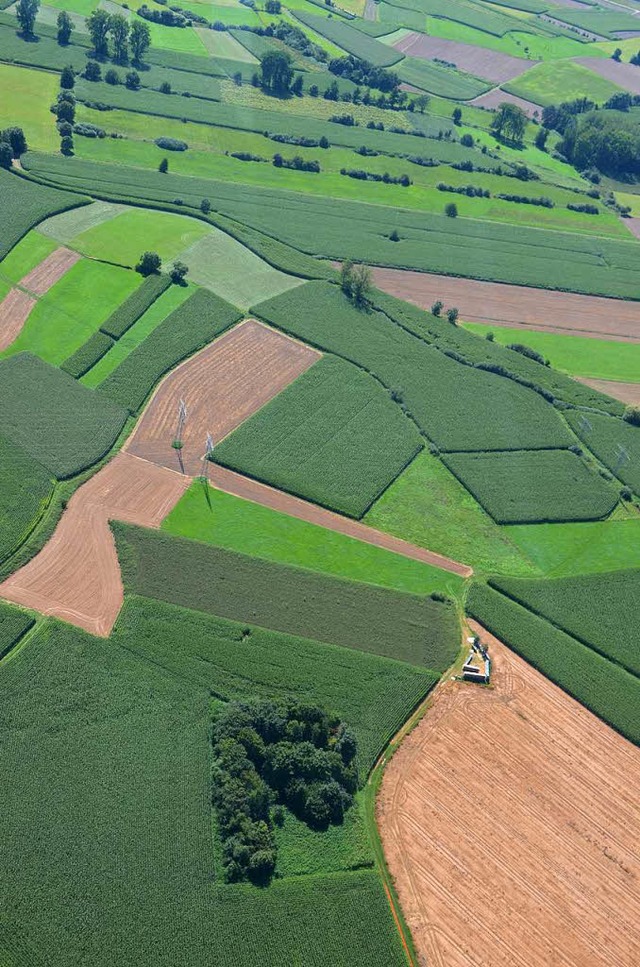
column 510, row 822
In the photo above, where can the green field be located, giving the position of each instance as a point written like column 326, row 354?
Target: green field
column 239, row 525
column 89, row 353
column 589, row 548
column 333, row 436
column 436, row 79
column 26, row 204
column 615, row 443
column 66, row 226
column 124, row 238
column 129, row 311
column 25, row 491
column 351, row 40
column 28, row 105
column 13, row 626
column 29, row 252
column 556, row 81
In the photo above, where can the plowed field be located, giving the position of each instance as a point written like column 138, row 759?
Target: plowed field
column 516, row 305
column 625, row 76
column 221, row 386
column 49, row 271
column 490, row 64
column 510, row 822
column 14, row 312
column 76, row 576
column 495, row 97
column 625, row 392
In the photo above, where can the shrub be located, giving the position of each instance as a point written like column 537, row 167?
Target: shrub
column 93, row 71
column 205, row 206
column 66, row 145
column 87, row 130
column 67, row 78
column 437, row 307
column 519, row 347
column 171, row 144
column 451, row 210
column 112, row 77
column 150, row 263
column 632, row 415
column 132, row 80
column 467, row 140
column 163, row 167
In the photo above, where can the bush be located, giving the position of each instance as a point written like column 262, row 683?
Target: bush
column 171, row 144
column 132, row 80
column 150, row 263
column 93, row 71
column 519, row 347
column 163, row 167
column 67, row 78
column 467, row 140
column 112, row 77
column 66, row 145
column 451, row 210
column 632, row 415
column 87, row 130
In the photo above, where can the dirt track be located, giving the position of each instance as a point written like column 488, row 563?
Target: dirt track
column 49, row 271
column 221, row 386
column 14, row 312
column 76, row 576
column 510, row 823
column 490, row 64
column 516, row 305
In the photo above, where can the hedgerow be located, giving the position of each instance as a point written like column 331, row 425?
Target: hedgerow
column 605, row 688
column 533, row 486
column 615, row 443
column 333, row 436
column 407, row 627
column 137, row 304
column 189, row 327
column 59, row 422
column 25, row 491
column 14, row 624
column 25, row 204
column 600, row 610
column 87, row 355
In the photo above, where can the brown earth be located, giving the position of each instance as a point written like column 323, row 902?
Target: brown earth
column 489, row 64
column 495, row 97
column 516, row 305
column 14, row 312
column 49, row 271
column 510, row 821
column 625, row 76
column 221, row 386
column 634, row 225
column 76, row 576
column 625, row 392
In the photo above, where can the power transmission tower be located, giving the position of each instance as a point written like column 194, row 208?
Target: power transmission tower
column 207, row 457
column 585, row 426
column 622, row 456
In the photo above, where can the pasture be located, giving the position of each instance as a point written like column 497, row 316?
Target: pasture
column 28, row 106
column 556, row 81
column 23, row 258
column 586, row 548
column 125, row 237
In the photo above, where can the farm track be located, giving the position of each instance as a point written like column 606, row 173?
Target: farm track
column 14, row 312
column 510, row 821
column 49, row 271
column 479, row 61
column 516, row 306
column 625, row 392
column 221, row 386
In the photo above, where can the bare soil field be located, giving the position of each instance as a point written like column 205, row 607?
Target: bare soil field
column 497, row 96
column 49, row 271
column 490, row 64
column 624, row 75
column 76, row 576
column 625, row 392
column 515, row 305
column 14, row 312
column 510, row 822
column 259, row 493
column 221, row 386
column 634, row 225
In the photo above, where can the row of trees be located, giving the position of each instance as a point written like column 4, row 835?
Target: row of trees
column 12, row 144
column 113, row 30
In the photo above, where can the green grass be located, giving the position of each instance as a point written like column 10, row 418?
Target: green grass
column 222, row 44
column 124, row 238
column 333, row 436
column 128, row 312
column 27, row 105
column 66, row 226
column 25, row 491
column 605, row 688
column 600, row 610
column 296, row 601
column 14, row 624
column 589, row 548
column 604, row 436
column 516, row 43
column 429, row 507
column 534, row 486
column 553, row 82
column 486, row 19
column 303, row 851
column 436, row 79
column 351, row 40
column 56, row 420
column 598, row 21
column 183, row 41
column 73, row 309
column 26, row 204
column 239, row 525
column 573, row 354
column 29, row 252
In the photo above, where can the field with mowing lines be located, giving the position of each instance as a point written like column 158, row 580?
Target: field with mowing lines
column 333, row 437
column 25, row 205
column 28, row 105
column 589, row 548
column 444, row 81
column 553, row 82
column 221, row 386
column 68, row 225
column 125, row 237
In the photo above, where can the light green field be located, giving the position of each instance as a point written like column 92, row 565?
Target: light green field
column 124, row 238
column 235, row 15
column 589, row 548
column 184, row 40
column 159, row 310
column 221, row 44
column 73, row 309
column 427, row 506
column 553, row 82
column 233, row 272
column 575, row 355
column 518, row 44
column 29, row 94
column 226, row 521
column 66, row 226
column 28, row 253
column 83, row 7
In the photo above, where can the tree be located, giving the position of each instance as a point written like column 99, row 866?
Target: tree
column 273, row 6
column 178, row 273
column 165, row 88
column 394, row 237
column 617, row 54
column 67, row 78
column 205, row 206
column 541, row 139
column 112, row 77
column 422, row 102
column 452, row 316
column 509, row 122
column 355, row 282
column 65, row 26
column 132, row 80
column 66, row 111
column 119, row 30
column 149, row 264
column 66, row 145
column 467, row 140
column 93, row 71
column 164, row 166
column 456, row 115
column 451, row 210
column 98, row 25
column 296, row 87
column 15, row 139
column 437, row 307
column 237, row 78
column 139, row 40
column 26, row 12
column 6, row 155
column 276, row 72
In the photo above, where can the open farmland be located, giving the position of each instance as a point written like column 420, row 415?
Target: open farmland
column 628, row 393
column 49, row 271
column 550, row 83
column 615, row 443
column 552, row 789
column 25, row 205
column 25, row 491
column 221, row 387
column 490, row 64
column 14, row 312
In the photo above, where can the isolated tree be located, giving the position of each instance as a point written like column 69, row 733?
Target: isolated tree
column 394, row 237
column 456, row 115
column 178, row 273
column 361, row 285
column 66, row 145
column 165, row 88
column 132, row 80
column 119, row 30
column 139, row 40
column 296, row 87
column 66, row 111
column 93, row 71
column 67, row 78
column 276, row 71
column 346, row 278
column 451, row 210
column 26, row 12
column 510, row 122
column 617, row 54
column 65, row 26
column 437, row 307
column 150, row 263
column 98, row 25
column 205, row 206
column 6, row 155
column 422, row 102
column 16, row 140
column 452, row 316
column 163, row 167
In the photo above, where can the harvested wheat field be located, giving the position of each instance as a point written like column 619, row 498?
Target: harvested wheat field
column 49, row 271
column 490, row 64
column 76, row 577
column 14, row 312
column 221, row 386
column 510, row 821
column 516, row 305
column 625, row 392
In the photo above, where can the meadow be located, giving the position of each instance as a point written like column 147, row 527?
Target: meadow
column 29, row 252
column 124, row 238
column 33, row 92
column 587, row 548
column 556, row 81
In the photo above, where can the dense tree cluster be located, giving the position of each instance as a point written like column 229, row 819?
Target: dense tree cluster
column 267, row 756
column 113, row 29
column 607, row 140
column 363, row 73
column 509, row 122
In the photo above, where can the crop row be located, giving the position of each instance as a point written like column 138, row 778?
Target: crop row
column 132, row 308
column 14, row 624
column 351, row 40
column 88, row 354
column 25, row 491
column 605, row 688
column 407, row 627
column 25, row 205
column 333, row 436
column 443, row 81
column 615, row 443
column 464, row 12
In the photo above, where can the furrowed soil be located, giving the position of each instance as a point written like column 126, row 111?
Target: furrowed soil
column 14, row 312
column 516, row 306
column 624, row 75
column 490, row 64
column 49, row 271
column 493, row 98
column 510, row 823
column 221, row 387
column 76, row 577
column 625, row 392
